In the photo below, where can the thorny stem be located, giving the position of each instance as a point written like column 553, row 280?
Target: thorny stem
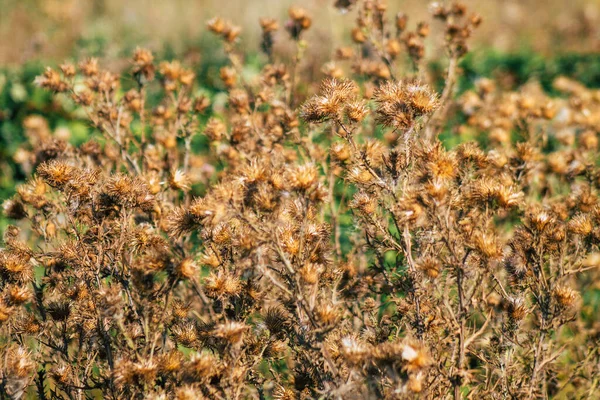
column 332, row 209
column 432, row 124
column 143, row 143
column 461, row 337
column 293, row 73
column 536, row 361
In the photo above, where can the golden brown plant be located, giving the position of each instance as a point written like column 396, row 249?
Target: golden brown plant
column 332, row 250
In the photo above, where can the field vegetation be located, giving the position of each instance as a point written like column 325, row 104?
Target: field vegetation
column 403, row 207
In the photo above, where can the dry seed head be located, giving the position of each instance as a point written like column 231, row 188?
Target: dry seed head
column 516, row 266
column 304, row 177
column 409, row 209
column 360, row 176
column 401, row 20
column 415, row 383
column 254, row 172
column 431, row 266
column 588, row 140
column 15, row 268
column 443, row 167
column 222, row 233
column 265, row 197
column 393, row 107
column 422, row 99
column 283, row 393
column 344, row 53
column 170, row 70
column 276, row 348
column 216, row 25
column 269, row 24
column 231, row 33
column 232, row 332
column 188, row 393
column 416, row 357
column 123, row 372
column 153, row 182
column 358, row 36
column 353, row 350
column 14, row 209
column 580, row 224
column 508, row 198
column 180, row 309
column 143, row 64
column 215, row 130
column 187, row 77
column 185, row 333
column 375, row 152
column 179, row 180
column 142, row 56
column 289, row 239
column 381, row 6
column 340, row 151
column 19, row 295
column 393, row 47
column 310, row 273
column 437, row 189
column 119, row 186
column 89, row 67
column 201, row 104
column 56, row 173
column 516, row 309
column 565, row 296
column 327, row 314
column 222, row 284
column 299, row 14
column 187, row 269
column 62, row 374
column 487, row 244
column 68, row 70
column 276, row 319
column 238, row 99
column 5, row 312
column 169, row 362
column 210, row 259
column 364, row 202
column 18, row 371
column 228, row 76
column 539, row 219
column 51, row 80
column 438, row 10
column 202, row 366
column 423, row 29
column 59, row 310
column 133, row 100
column 335, row 94
column 180, row 221
column 145, row 371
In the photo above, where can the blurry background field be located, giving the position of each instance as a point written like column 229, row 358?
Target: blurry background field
column 519, row 40
column 55, row 29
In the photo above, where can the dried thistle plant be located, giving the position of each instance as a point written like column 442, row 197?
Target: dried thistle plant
column 339, row 249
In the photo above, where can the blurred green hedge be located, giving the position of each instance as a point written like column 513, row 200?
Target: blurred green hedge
column 524, row 66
